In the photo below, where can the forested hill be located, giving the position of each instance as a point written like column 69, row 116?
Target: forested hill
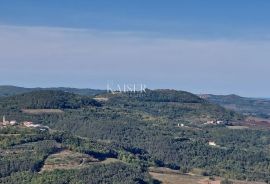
column 6, row 90
column 172, row 104
column 47, row 99
column 159, row 95
column 166, row 95
column 144, row 129
column 250, row 106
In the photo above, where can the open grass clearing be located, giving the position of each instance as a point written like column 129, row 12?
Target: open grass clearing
column 42, row 111
column 67, row 159
column 237, row 127
column 169, row 176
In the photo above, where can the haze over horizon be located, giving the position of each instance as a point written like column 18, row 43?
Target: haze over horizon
column 201, row 47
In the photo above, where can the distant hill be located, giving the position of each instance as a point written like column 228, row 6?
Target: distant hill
column 159, row 95
column 47, row 99
column 14, row 90
column 172, row 104
column 249, row 106
column 167, row 95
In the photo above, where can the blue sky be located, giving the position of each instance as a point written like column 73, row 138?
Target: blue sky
column 205, row 46
column 192, row 18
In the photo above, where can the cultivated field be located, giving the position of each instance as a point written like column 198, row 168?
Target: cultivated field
column 67, row 159
column 174, row 178
column 101, row 99
column 168, row 176
column 42, row 111
column 237, row 127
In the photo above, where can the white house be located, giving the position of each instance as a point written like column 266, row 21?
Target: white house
column 212, row 143
column 219, row 122
column 13, row 122
column 180, row 125
column 30, row 124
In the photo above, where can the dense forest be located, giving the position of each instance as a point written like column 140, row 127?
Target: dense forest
column 23, row 152
column 140, row 130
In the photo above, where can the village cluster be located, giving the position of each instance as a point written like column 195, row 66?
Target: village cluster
column 212, row 122
column 28, row 124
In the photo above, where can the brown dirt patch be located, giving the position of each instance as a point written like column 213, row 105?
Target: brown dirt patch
column 67, row 159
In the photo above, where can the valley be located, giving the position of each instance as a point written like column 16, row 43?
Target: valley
column 169, row 129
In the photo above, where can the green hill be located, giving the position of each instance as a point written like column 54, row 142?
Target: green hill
column 6, row 90
column 249, row 106
column 12, row 90
column 47, row 99
column 172, row 104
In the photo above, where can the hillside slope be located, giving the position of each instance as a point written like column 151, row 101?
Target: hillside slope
column 249, row 106
column 24, row 153
column 47, row 99
column 171, row 104
column 6, row 90
column 147, row 127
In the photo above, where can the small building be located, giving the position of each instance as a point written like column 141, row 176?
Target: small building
column 27, row 123
column 219, row 122
column 212, row 143
column 4, row 122
column 214, row 122
column 180, row 125
column 13, row 122
column 30, row 124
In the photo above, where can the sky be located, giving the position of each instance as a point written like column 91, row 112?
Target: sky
column 219, row 47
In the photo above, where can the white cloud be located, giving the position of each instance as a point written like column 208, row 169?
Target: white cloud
column 214, row 65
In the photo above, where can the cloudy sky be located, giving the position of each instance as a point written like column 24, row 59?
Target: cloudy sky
column 198, row 46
